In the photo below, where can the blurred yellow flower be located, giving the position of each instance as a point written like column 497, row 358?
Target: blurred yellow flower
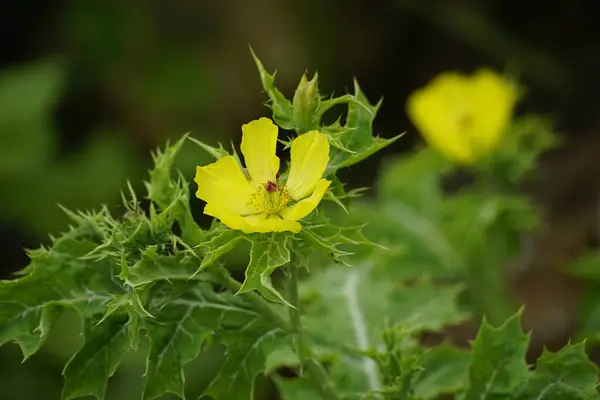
column 254, row 201
column 463, row 117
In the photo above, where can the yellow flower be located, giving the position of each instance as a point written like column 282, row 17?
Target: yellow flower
column 254, row 201
column 463, row 117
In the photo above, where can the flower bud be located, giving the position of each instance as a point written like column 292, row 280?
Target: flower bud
column 306, row 103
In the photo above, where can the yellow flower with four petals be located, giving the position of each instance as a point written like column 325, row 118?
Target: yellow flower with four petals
column 253, row 200
column 463, row 117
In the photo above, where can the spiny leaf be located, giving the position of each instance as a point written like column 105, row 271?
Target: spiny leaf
column 326, row 245
column 335, row 241
column 161, row 188
column 132, row 303
column 87, row 373
column 283, row 112
column 336, row 134
column 218, row 246
column 399, row 363
column 248, row 349
column 498, row 365
column 30, row 305
column 153, row 266
column 61, row 277
column 172, row 194
column 184, row 320
column 268, row 252
column 444, row 372
column 566, row 375
column 346, row 309
column 359, row 141
column 216, row 152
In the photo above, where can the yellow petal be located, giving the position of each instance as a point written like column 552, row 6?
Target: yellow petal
column 276, row 224
column 461, row 116
column 304, row 207
column 226, row 216
column 259, row 144
column 224, row 182
column 253, row 223
column 309, row 158
column 433, row 110
column 493, row 101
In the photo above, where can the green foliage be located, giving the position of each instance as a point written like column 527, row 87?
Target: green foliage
column 350, row 329
column 445, row 371
column 498, row 369
column 346, row 311
column 498, row 360
column 267, row 253
column 351, row 142
column 466, row 234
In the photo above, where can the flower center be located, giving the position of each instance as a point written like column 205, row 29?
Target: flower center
column 465, row 122
column 269, row 197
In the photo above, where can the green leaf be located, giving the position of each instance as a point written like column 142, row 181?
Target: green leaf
column 444, row 372
column 133, row 305
column 425, row 306
column 296, row 389
column 498, row 365
column 340, row 243
column 281, row 357
column 414, row 179
column 56, row 278
column 162, row 189
column 184, row 320
column 283, row 111
column 61, row 277
column 172, row 194
column 87, row 373
column 346, row 308
column 218, row 246
column 248, row 349
column 328, row 245
column 351, row 305
column 153, row 267
column 216, row 152
column 268, row 252
column 565, row 375
column 359, row 139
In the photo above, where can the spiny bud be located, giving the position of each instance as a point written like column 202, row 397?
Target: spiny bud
column 306, row 103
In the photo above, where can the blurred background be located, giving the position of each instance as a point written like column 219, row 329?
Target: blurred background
column 89, row 88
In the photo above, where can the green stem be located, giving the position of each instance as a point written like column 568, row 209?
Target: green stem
column 316, row 372
column 223, row 277
column 485, row 285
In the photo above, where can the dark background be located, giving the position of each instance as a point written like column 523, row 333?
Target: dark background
column 89, row 88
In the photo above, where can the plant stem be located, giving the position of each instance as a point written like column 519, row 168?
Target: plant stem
column 316, row 372
column 224, row 278
column 488, row 285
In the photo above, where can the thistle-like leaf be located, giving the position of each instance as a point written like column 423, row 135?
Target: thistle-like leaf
column 268, row 252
